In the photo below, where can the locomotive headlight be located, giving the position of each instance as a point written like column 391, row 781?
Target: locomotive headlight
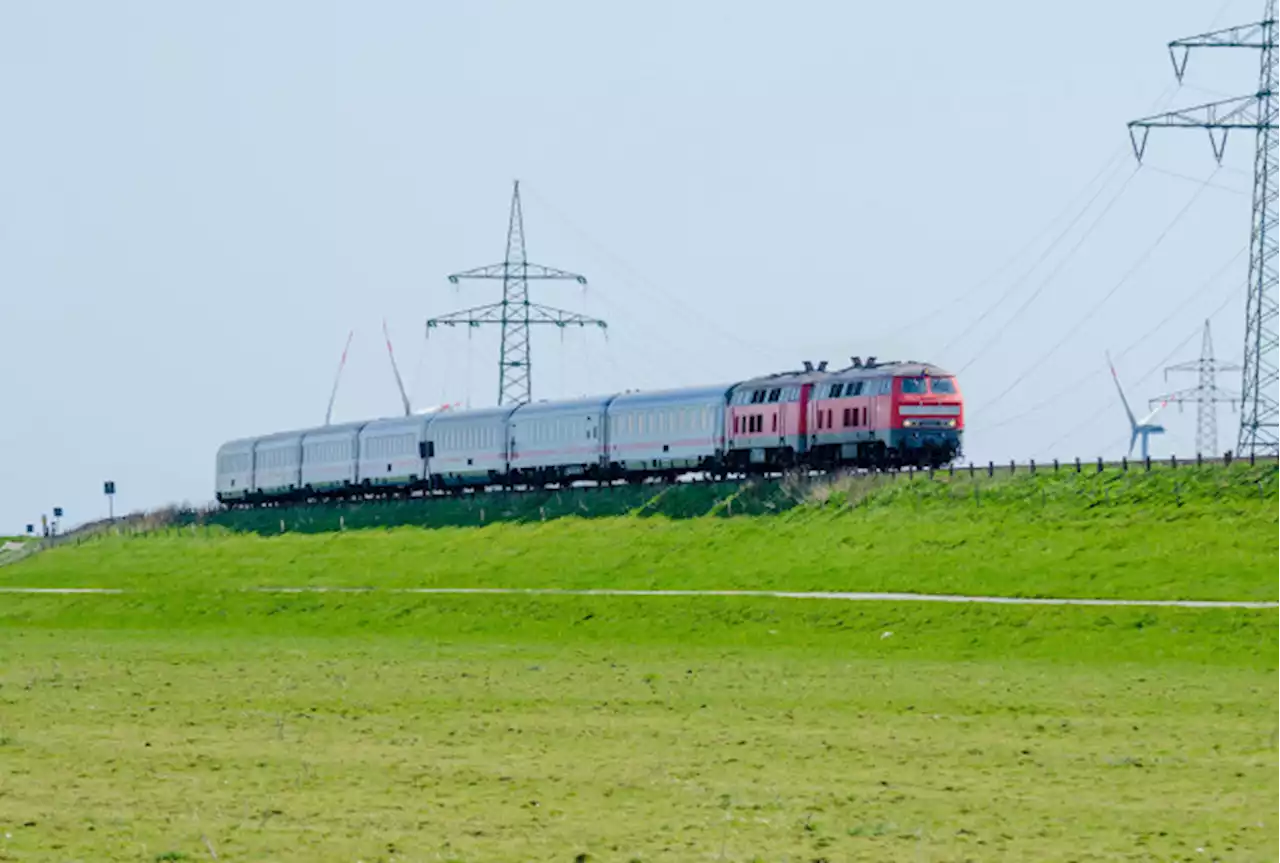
column 908, row 423
column 951, row 423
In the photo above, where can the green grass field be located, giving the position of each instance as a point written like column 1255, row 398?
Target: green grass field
column 189, row 717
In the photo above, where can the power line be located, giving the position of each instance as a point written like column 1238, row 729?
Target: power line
column 1062, row 262
column 1110, row 164
column 1113, row 162
column 634, row 273
column 1142, row 259
column 1191, row 179
column 1045, row 254
column 1217, row 16
column 1195, row 292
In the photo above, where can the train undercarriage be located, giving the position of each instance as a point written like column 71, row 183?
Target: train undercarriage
column 736, row 465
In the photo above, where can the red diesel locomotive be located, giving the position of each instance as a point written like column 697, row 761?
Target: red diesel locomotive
column 869, row 414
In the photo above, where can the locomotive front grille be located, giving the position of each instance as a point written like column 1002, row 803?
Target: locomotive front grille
column 929, row 410
column 929, row 424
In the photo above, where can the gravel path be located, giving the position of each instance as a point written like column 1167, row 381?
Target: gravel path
column 837, row 596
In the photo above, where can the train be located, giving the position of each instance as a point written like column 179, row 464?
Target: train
column 870, row 415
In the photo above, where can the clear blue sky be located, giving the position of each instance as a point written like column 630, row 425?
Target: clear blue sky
column 198, row 201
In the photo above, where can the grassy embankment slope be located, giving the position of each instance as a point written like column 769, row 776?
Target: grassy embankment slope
column 1186, row 534
column 190, row 714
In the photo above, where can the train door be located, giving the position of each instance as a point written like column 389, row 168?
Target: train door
column 802, row 419
column 881, row 404
column 595, row 439
column 782, row 417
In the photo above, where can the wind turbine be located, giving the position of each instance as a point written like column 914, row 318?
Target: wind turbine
column 404, row 396
column 328, row 414
column 395, row 369
column 1143, row 429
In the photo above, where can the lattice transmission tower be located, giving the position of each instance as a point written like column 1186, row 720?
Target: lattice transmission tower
column 1257, row 112
column 515, row 314
column 1206, row 395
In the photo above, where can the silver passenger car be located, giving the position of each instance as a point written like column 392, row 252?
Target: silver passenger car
column 329, row 457
column 468, row 448
column 667, row 429
column 234, row 474
column 393, row 452
column 554, row 440
column 277, row 464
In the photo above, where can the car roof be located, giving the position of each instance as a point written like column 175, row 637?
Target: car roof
column 596, row 403
column 338, row 428
column 903, row 368
column 277, row 437
column 413, row 419
column 683, row 394
column 472, row 414
column 782, row 379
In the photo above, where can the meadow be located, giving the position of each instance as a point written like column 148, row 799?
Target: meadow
column 194, row 718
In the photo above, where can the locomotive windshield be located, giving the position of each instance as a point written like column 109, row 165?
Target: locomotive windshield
column 921, row 385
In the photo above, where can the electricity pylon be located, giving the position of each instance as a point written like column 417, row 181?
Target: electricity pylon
column 515, row 313
column 1206, row 395
column 1257, row 112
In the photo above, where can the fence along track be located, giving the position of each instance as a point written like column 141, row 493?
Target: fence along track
column 136, row 522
